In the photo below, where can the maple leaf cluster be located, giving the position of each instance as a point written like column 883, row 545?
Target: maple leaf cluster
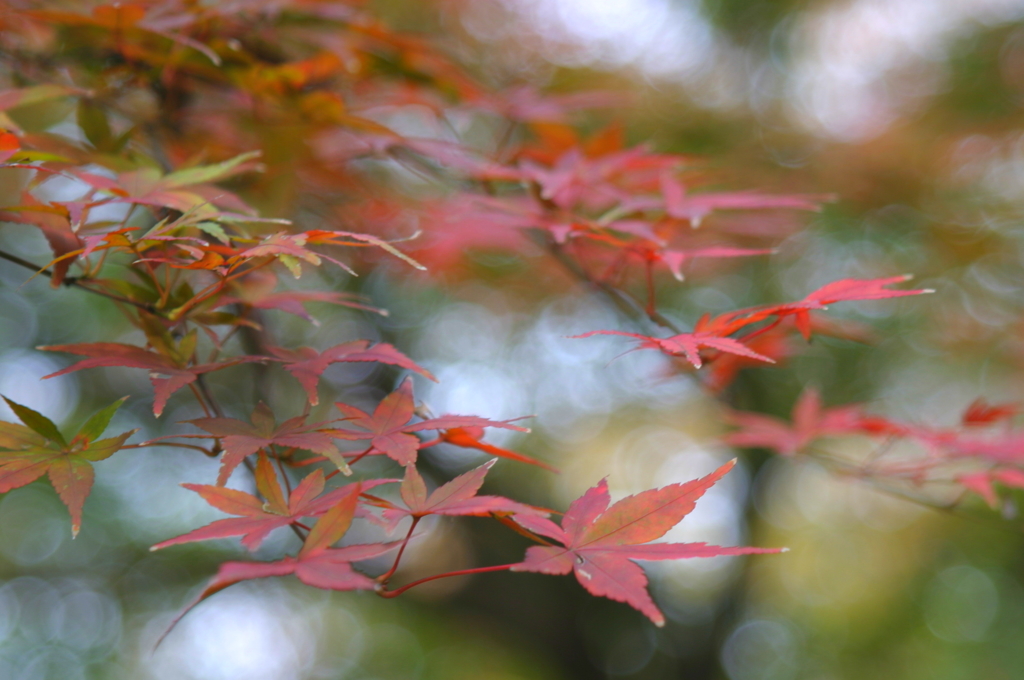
column 259, row 101
column 981, row 453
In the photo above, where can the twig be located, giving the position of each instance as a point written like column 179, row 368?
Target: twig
column 77, row 283
column 626, row 303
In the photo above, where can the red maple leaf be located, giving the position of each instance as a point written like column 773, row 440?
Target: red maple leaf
column 980, row 413
column 53, row 220
column 390, row 432
column 455, row 498
column 241, row 439
column 470, row 438
column 317, row 564
column 844, row 290
column 307, row 364
column 775, row 343
column 9, row 145
column 167, row 375
column 810, row 422
column 686, row 345
column 29, row 451
column 258, row 517
column 600, row 542
column 695, row 207
column 982, row 483
column 675, row 258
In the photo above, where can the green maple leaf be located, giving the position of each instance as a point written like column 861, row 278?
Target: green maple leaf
column 37, row 447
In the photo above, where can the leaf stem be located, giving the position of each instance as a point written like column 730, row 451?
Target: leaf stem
column 284, row 473
column 383, row 578
column 384, row 592
column 199, row 398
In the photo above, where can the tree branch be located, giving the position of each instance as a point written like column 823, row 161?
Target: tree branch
column 77, row 283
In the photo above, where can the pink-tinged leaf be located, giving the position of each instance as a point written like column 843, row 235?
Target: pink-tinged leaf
column 322, row 504
column 675, row 259
column 389, row 429
column 600, row 541
column 329, row 569
column 1010, row 477
column 810, row 422
column 461, row 488
column 542, row 526
column 396, row 409
column 253, row 531
column 585, row 510
column 861, row 289
column 694, row 207
column 687, row 345
column 678, row 551
column 455, row 498
column 54, row 221
column 649, row 515
column 761, row 431
column 981, row 484
column 618, row 579
column 413, row 489
column 256, row 521
column 117, row 354
column 333, row 524
column 241, row 439
column 837, row 291
column 19, row 472
column 544, row 559
column 306, row 490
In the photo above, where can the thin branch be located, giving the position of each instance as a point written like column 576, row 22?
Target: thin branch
column 77, row 283
column 146, row 445
column 625, row 302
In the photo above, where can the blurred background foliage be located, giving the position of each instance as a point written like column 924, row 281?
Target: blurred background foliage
column 908, row 111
